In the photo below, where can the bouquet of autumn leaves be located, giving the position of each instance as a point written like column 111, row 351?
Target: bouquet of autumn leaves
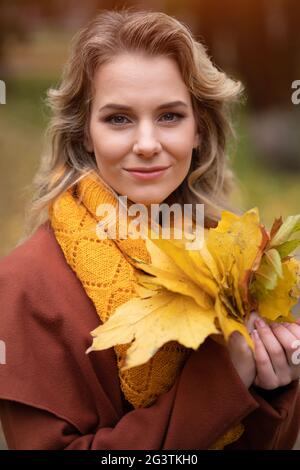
column 187, row 295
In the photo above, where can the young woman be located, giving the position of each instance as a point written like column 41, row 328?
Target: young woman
column 141, row 112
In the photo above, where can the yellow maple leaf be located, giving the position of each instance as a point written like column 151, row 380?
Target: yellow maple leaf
column 153, row 321
column 236, row 238
column 237, row 244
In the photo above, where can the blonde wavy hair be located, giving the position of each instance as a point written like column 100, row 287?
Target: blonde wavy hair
column 114, row 32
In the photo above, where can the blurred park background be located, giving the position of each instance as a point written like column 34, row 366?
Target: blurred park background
column 256, row 41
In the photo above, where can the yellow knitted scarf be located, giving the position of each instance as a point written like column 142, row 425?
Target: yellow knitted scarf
column 108, row 279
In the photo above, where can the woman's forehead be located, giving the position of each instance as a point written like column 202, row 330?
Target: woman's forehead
column 126, row 69
column 156, row 80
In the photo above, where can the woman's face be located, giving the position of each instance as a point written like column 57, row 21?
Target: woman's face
column 142, row 129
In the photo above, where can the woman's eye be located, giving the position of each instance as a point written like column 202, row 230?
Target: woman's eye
column 117, row 117
column 178, row 116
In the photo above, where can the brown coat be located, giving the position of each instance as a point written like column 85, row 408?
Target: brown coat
column 54, row 396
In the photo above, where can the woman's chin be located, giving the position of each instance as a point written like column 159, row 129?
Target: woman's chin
column 145, row 201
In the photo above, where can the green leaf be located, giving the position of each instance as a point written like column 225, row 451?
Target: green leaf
column 274, row 260
column 296, row 228
column 290, row 226
column 269, row 270
column 286, row 248
column 267, row 277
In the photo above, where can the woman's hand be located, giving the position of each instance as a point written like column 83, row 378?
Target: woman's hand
column 277, row 353
column 276, row 358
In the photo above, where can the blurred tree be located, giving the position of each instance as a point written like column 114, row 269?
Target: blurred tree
column 258, row 39
column 20, row 18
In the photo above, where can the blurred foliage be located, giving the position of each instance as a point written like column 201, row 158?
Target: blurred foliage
column 274, row 192
column 22, row 123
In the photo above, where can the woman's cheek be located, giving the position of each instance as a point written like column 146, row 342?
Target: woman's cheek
column 183, row 156
column 110, row 149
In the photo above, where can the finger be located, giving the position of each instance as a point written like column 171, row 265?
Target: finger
column 250, row 322
column 293, row 328
column 286, row 338
column 274, row 348
column 237, row 343
column 266, row 377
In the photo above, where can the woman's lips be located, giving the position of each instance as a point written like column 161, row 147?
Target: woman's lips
column 143, row 175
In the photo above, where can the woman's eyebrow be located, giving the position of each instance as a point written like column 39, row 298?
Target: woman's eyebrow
column 171, row 104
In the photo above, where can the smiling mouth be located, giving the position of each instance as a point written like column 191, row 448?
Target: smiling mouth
column 143, row 169
column 146, row 174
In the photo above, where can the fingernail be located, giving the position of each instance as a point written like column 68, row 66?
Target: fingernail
column 260, row 323
column 254, row 334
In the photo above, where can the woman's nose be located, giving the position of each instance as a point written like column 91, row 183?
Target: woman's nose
column 147, row 143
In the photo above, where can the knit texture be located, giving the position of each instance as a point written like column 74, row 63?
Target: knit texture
column 108, row 278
